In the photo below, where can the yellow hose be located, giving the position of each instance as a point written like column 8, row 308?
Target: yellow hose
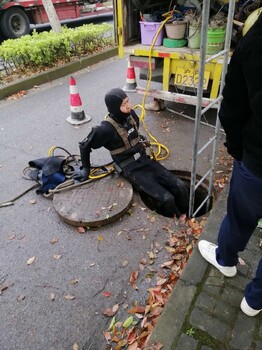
column 110, row 169
column 155, row 143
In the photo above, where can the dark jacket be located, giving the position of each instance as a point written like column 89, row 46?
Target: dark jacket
column 105, row 135
column 241, row 108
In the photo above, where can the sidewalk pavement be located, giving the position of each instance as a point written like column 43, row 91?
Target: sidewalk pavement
column 54, row 73
column 203, row 311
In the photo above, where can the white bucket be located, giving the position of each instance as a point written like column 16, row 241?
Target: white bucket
column 176, row 29
column 194, row 37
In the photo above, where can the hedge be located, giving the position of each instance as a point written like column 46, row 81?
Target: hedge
column 40, row 51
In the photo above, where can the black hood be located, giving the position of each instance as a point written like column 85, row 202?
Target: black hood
column 113, row 100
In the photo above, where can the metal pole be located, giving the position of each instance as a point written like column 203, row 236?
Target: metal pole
column 204, row 28
column 231, row 11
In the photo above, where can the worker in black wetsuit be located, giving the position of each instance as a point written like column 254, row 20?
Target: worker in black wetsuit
column 119, row 134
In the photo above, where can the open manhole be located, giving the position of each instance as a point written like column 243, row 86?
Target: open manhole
column 200, row 195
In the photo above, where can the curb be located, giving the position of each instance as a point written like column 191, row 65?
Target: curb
column 170, row 324
column 55, row 73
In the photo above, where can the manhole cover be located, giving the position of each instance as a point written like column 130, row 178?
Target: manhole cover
column 95, row 204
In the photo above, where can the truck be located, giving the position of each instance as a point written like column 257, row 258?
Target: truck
column 17, row 16
column 176, row 68
column 188, row 75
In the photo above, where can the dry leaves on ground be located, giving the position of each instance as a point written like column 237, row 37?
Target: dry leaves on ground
column 17, row 95
column 134, row 332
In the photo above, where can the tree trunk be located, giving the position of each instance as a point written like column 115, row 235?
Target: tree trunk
column 52, row 16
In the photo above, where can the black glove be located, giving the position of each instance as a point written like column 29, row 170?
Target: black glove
column 81, row 174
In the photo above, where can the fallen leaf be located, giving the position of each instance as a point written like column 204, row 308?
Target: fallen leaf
column 69, row 297
column 151, row 255
column 52, row 296
column 74, row 281
column 112, row 323
column 121, row 344
column 128, row 322
column 57, row 256
column 20, row 297
column 161, row 281
column 136, row 309
column 54, row 240
column 107, row 335
column 241, row 261
column 167, row 263
column 115, row 339
column 115, row 308
column 100, row 238
column 31, row 260
column 75, row 346
column 81, row 230
column 142, row 264
column 17, row 95
column 125, row 263
column 133, row 278
column 107, row 294
column 111, row 312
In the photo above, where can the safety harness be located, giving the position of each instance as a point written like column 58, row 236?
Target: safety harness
column 123, row 133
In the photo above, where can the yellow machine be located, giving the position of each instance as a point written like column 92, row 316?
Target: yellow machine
column 175, row 67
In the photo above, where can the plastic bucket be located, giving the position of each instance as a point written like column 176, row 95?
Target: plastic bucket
column 176, row 30
column 173, row 43
column 148, row 32
column 194, row 37
column 215, row 40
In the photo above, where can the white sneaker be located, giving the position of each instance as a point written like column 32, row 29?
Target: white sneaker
column 247, row 309
column 208, row 251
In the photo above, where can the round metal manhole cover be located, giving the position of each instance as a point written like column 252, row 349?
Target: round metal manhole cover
column 97, row 203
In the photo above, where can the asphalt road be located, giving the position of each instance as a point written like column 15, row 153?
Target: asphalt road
column 35, row 314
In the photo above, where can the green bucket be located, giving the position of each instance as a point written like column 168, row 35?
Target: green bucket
column 215, row 40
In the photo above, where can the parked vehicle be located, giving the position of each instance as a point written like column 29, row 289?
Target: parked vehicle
column 17, row 15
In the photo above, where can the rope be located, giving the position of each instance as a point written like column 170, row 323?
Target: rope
column 11, row 202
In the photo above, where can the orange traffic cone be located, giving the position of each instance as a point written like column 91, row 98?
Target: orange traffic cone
column 78, row 115
column 130, row 79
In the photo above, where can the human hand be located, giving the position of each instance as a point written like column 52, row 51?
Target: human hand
column 81, row 174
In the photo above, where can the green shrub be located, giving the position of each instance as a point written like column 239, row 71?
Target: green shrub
column 39, row 51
